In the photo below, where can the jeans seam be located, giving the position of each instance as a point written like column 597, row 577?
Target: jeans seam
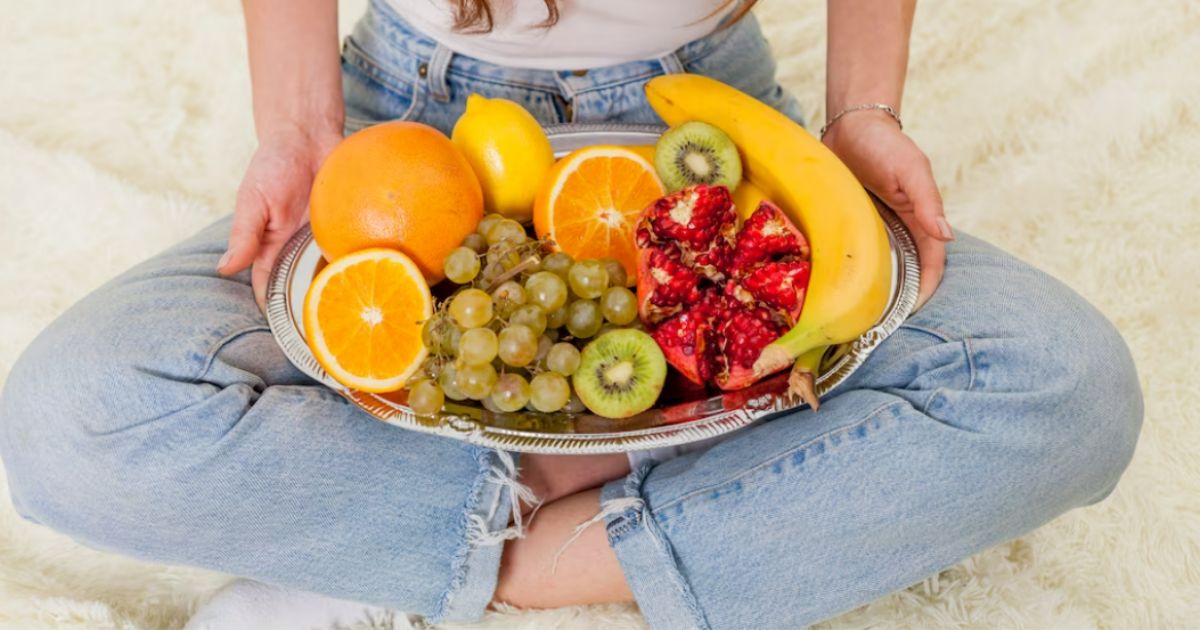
column 786, row 454
column 637, row 78
column 706, row 52
column 453, row 73
column 967, row 356
column 970, row 354
column 218, row 345
column 928, row 331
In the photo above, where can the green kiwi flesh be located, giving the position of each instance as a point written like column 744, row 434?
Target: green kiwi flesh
column 621, row 373
column 697, row 153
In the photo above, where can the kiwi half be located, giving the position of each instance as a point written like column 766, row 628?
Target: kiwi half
column 697, row 153
column 621, row 373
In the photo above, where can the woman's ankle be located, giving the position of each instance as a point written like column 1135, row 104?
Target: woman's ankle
column 552, row 477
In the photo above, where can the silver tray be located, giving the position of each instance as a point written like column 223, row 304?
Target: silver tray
column 563, row 433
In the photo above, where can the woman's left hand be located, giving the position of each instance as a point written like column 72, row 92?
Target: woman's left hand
column 890, row 165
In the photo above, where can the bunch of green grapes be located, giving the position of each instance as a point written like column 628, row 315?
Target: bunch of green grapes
column 510, row 335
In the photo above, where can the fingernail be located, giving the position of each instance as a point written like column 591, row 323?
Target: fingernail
column 944, row 228
column 224, row 260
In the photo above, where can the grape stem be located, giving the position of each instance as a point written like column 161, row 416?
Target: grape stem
column 514, row 272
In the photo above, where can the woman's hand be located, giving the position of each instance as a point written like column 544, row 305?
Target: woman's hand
column 893, row 168
column 272, row 202
column 296, row 81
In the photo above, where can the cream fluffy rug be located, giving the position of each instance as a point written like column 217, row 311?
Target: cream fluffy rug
column 1066, row 131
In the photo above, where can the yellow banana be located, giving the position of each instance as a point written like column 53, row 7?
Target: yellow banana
column 746, row 198
column 851, row 260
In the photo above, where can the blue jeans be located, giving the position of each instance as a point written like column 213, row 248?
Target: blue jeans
column 158, row 418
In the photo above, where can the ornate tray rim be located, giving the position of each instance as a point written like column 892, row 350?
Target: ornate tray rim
column 459, row 425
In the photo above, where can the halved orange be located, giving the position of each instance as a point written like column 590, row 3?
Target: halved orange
column 591, row 200
column 363, row 316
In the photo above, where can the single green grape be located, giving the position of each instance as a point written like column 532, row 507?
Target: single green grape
column 518, row 346
column 508, row 297
column 478, row 346
column 425, row 397
column 510, row 393
column 504, row 255
column 431, row 367
column 557, row 319
column 447, row 379
column 451, row 340
column 584, row 318
column 558, row 263
column 440, row 335
column 476, row 242
column 547, row 290
column 617, row 277
column 487, row 222
column 461, row 265
column 476, row 381
column 489, row 405
column 588, row 279
column 563, row 358
column 506, row 230
column 549, row 391
column 544, row 345
column 471, row 308
column 531, row 316
column 431, row 334
column 619, row 305
column 491, row 272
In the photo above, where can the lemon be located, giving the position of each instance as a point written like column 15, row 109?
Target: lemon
column 508, row 151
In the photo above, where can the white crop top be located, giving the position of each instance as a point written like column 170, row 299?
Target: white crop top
column 589, row 33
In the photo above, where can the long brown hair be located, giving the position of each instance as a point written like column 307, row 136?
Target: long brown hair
column 475, row 16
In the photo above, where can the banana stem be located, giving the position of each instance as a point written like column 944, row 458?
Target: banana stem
column 787, row 349
column 802, row 381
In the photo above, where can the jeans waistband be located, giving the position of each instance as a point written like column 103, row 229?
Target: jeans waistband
column 382, row 21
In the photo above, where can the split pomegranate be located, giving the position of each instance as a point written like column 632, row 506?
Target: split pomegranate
column 714, row 296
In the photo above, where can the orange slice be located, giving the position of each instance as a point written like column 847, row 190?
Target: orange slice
column 591, row 200
column 363, row 316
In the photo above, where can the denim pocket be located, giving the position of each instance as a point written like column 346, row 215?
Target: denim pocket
column 377, row 91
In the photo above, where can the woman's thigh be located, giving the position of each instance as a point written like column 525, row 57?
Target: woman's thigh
column 1002, row 403
column 158, row 417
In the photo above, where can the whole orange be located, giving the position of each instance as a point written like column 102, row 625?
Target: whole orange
column 402, row 185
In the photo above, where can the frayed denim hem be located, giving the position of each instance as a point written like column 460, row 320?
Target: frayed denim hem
column 663, row 594
column 494, row 501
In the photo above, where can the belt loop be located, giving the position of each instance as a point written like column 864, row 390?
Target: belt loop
column 439, row 64
column 671, row 64
column 564, row 86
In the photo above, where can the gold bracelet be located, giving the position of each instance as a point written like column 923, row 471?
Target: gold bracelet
column 858, row 108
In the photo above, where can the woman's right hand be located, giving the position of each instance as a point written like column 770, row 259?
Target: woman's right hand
column 272, row 202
